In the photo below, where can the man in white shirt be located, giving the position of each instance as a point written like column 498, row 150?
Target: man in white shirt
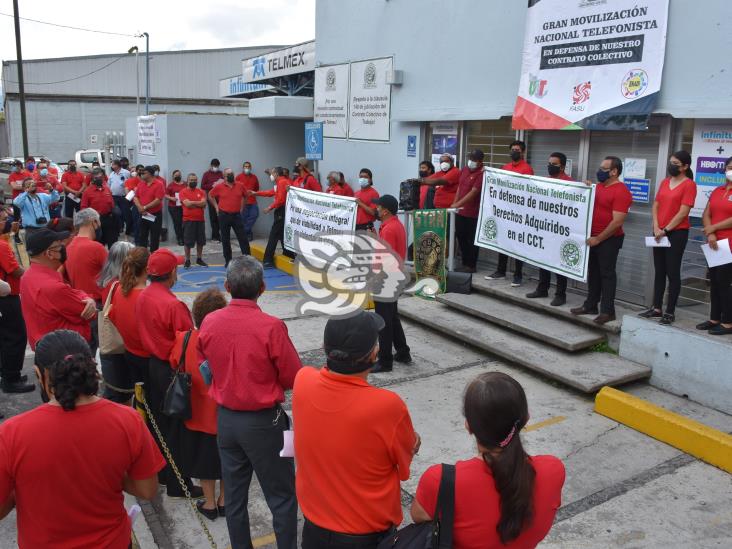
column 117, row 179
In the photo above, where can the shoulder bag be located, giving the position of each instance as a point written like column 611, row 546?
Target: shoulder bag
column 110, row 340
column 177, row 402
column 430, row 535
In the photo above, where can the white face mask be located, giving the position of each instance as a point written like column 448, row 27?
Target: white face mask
column 247, row 171
column 472, row 164
column 728, row 175
column 444, row 166
column 272, row 177
column 363, row 182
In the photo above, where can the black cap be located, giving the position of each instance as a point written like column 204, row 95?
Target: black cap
column 39, row 240
column 349, row 339
column 389, row 202
column 477, row 155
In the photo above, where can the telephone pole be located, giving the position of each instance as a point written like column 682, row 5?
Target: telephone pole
column 21, row 86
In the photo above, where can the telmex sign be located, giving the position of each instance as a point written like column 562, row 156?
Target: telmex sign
column 292, row 60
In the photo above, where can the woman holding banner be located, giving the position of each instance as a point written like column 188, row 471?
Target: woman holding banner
column 674, row 200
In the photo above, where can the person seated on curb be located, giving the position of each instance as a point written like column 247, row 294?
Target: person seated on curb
column 354, row 442
column 503, row 496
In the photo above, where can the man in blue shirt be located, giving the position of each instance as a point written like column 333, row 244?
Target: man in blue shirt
column 33, row 205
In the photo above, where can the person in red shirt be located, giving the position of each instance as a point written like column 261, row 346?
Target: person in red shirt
column 467, row 201
column 85, row 256
column 229, row 199
column 612, row 203
column 175, row 208
column 47, row 301
column 131, row 184
column 193, row 201
column 44, row 178
column 337, row 185
column 208, row 180
column 16, row 178
column 555, row 168
column 392, row 233
column 98, row 196
column 446, row 180
column 250, row 213
column 503, row 497
column 717, row 220
column 674, row 199
column 252, row 362
column 149, row 203
column 72, row 182
column 365, row 198
column 13, row 336
column 304, row 179
column 517, row 150
column 200, row 453
column 348, row 429
column 426, row 170
column 277, row 232
column 65, row 464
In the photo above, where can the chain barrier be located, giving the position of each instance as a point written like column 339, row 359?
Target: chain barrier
column 140, row 397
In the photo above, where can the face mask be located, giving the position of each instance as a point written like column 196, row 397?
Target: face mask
column 445, row 166
column 673, row 170
column 272, row 177
column 14, row 169
column 296, row 168
column 177, row 178
column 8, row 224
column 553, row 170
column 602, row 175
column 728, row 175
column 363, row 182
column 247, row 171
column 44, row 172
column 157, row 173
column 472, row 164
column 192, row 184
column 423, row 173
column 134, row 174
column 72, row 168
column 31, row 166
column 230, row 178
column 98, row 181
column 515, row 156
column 214, row 169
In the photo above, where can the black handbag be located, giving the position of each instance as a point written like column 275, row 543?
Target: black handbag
column 429, row 201
column 430, row 535
column 459, row 283
column 409, row 195
column 177, row 402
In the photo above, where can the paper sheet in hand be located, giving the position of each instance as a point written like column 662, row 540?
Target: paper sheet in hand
column 721, row 256
column 177, row 199
column 651, row 242
column 130, row 195
column 149, row 217
column 288, row 448
column 73, row 197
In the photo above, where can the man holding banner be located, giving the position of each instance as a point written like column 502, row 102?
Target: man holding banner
column 467, row 200
column 277, row 232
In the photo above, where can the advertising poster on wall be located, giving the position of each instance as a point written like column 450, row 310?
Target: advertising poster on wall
column 591, row 64
column 331, row 100
column 370, row 100
column 444, row 141
column 711, row 147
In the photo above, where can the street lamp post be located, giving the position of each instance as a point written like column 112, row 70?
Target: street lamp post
column 147, row 72
column 136, row 50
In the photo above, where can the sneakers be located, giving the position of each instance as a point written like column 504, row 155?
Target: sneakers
column 381, row 367
column 719, row 330
column 558, row 300
column 667, row 319
column 498, row 275
column 16, row 387
column 516, row 282
column 537, row 293
column 187, row 264
column 201, row 262
column 650, row 313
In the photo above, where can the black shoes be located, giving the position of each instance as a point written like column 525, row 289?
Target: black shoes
column 667, row 319
column 517, row 281
column 268, row 265
column 559, row 300
column 180, row 243
column 583, row 311
column 498, row 275
column 210, row 514
column 187, row 264
column 17, row 387
column 719, row 330
column 177, row 493
column 537, row 293
column 603, row 318
column 706, row 325
column 201, row 262
column 403, row 357
column 465, row 269
column 650, row 313
column 381, row 367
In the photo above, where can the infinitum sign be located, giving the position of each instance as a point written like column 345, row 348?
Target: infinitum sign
column 292, row 60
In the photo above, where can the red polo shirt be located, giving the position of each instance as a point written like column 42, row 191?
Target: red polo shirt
column 195, row 195
column 720, row 209
column 392, row 232
column 73, row 180
column 521, row 167
column 18, row 177
column 251, row 357
column 147, row 193
column 445, row 194
column 50, row 304
column 98, row 198
column 353, row 444
column 124, row 317
column 161, row 315
column 172, row 188
column 562, row 176
column 85, row 260
column 670, row 201
column 367, row 196
column 203, row 407
column 250, row 183
column 279, row 192
column 132, row 183
column 8, row 264
column 615, row 198
column 209, row 178
column 340, row 190
column 230, row 197
column 470, row 180
column 309, row 182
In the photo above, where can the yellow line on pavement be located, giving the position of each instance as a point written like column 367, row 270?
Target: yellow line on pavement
column 546, row 423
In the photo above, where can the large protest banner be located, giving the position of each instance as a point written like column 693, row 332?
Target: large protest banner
column 591, row 64
column 542, row 221
column 309, row 213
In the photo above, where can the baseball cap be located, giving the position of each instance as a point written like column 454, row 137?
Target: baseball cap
column 349, row 339
column 389, row 202
column 162, row 261
column 477, row 155
column 302, row 161
column 38, row 241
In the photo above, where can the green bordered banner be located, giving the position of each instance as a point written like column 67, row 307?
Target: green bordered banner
column 429, row 237
column 543, row 221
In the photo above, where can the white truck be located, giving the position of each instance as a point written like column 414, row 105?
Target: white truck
column 84, row 158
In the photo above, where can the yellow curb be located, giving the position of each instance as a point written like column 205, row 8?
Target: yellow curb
column 282, row 262
column 692, row 437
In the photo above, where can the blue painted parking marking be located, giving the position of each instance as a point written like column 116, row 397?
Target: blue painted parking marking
column 198, row 279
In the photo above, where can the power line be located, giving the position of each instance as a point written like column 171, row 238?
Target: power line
column 70, row 27
column 74, row 78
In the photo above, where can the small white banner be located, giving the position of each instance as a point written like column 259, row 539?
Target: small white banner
column 369, row 109
column 331, row 100
column 146, row 135
column 309, row 213
column 542, row 221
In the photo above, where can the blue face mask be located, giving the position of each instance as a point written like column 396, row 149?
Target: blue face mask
column 8, row 224
column 44, row 172
column 602, row 175
column 31, row 166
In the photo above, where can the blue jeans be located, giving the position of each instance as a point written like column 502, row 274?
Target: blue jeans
column 250, row 213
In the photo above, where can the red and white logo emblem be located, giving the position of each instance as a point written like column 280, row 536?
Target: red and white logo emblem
column 581, row 93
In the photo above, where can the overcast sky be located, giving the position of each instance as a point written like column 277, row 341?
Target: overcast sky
column 172, row 25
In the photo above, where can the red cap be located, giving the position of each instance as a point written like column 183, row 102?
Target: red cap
column 163, row 261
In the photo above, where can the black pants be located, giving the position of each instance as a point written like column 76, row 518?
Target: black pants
column 214, row 218
column 667, row 264
column 392, row 334
column 503, row 265
column 601, row 277
column 109, row 231
column 315, row 537
column 250, row 442
column 150, row 229
column 276, row 236
column 70, row 206
column 228, row 221
column 12, row 338
column 545, row 280
column 465, row 228
column 720, row 293
column 125, row 211
column 176, row 215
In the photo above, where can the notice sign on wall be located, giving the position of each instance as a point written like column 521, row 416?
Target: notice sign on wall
column 370, row 100
column 146, row 135
column 711, row 147
column 309, row 213
column 331, row 100
column 584, row 57
column 543, row 221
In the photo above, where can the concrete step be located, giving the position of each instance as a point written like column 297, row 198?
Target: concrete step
column 529, row 322
column 587, row 372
